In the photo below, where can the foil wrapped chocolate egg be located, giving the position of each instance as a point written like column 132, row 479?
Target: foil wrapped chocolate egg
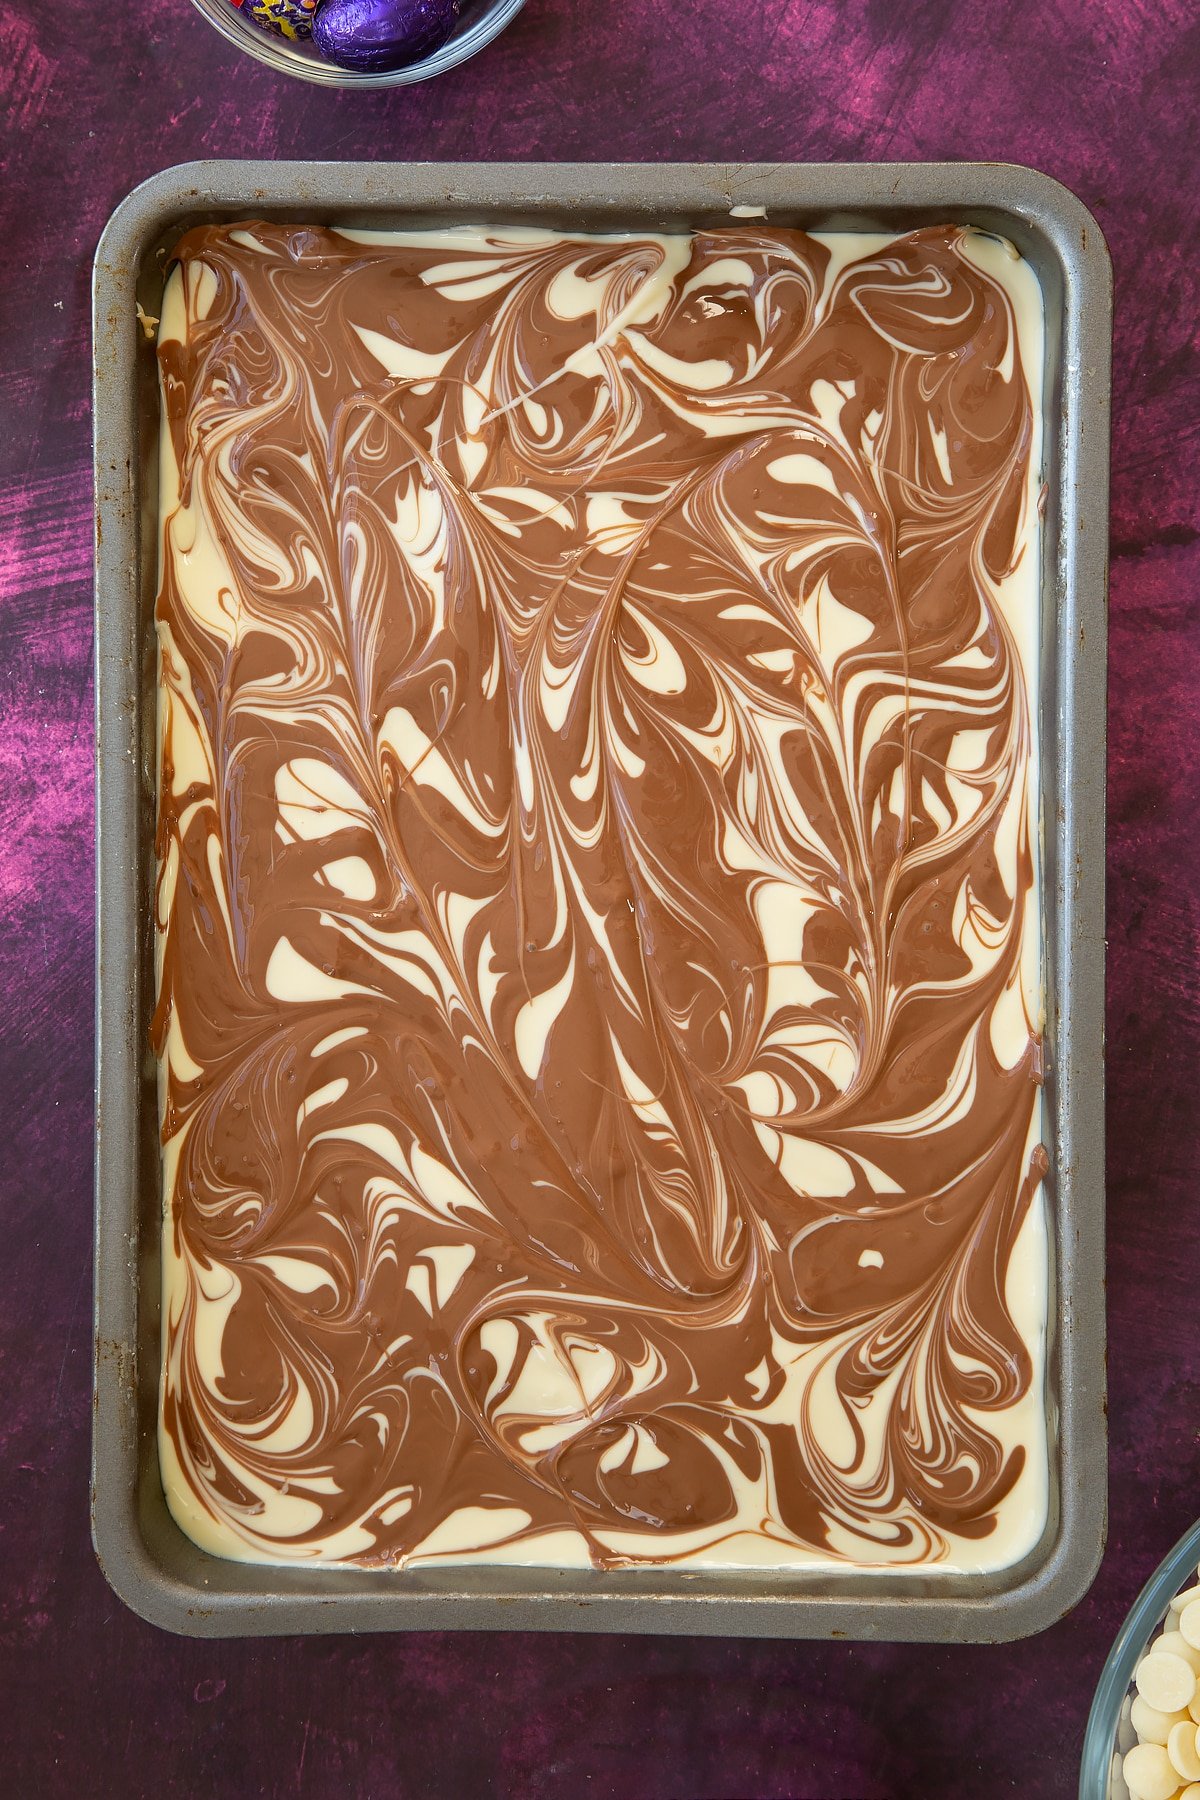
column 375, row 35
column 285, row 18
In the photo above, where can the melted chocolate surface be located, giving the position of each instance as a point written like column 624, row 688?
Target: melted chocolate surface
column 597, row 892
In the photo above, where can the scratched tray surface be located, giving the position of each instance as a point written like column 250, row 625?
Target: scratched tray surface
column 153, row 1566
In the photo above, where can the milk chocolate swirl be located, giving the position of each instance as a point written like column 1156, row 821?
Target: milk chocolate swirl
column 597, row 898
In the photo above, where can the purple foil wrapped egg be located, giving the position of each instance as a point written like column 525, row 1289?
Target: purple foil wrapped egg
column 375, row 35
column 285, row 18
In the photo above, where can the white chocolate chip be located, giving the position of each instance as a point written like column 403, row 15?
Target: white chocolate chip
column 1173, row 1643
column 1149, row 1773
column 1152, row 1726
column 1166, row 1681
column 1182, row 1750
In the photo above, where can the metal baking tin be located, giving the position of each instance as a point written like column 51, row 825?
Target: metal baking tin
column 148, row 1560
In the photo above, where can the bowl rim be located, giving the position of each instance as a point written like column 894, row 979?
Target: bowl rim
column 1142, row 1619
column 279, row 54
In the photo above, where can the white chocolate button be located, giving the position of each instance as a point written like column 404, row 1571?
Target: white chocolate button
column 1191, row 1792
column 1166, row 1681
column 1181, row 1748
column 1189, row 1624
column 1149, row 1773
column 1174, row 1643
column 1185, row 1599
column 1152, row 1726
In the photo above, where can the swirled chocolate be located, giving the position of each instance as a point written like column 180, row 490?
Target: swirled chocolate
column 599, row 1019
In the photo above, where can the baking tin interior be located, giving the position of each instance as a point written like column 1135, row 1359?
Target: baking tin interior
column 149, row 1561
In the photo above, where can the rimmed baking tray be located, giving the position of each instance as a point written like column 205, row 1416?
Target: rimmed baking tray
column 148, row 1560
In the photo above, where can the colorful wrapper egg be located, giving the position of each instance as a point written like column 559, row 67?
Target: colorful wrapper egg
column 285, row 18
column 373, row 35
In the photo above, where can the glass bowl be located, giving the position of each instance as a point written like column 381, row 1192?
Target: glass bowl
column 482, row 21
column 1109, row 1731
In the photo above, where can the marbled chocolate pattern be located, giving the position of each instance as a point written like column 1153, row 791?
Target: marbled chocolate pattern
column 599, row 932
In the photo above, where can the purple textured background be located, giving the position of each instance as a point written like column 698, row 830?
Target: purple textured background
column 1101, row 93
